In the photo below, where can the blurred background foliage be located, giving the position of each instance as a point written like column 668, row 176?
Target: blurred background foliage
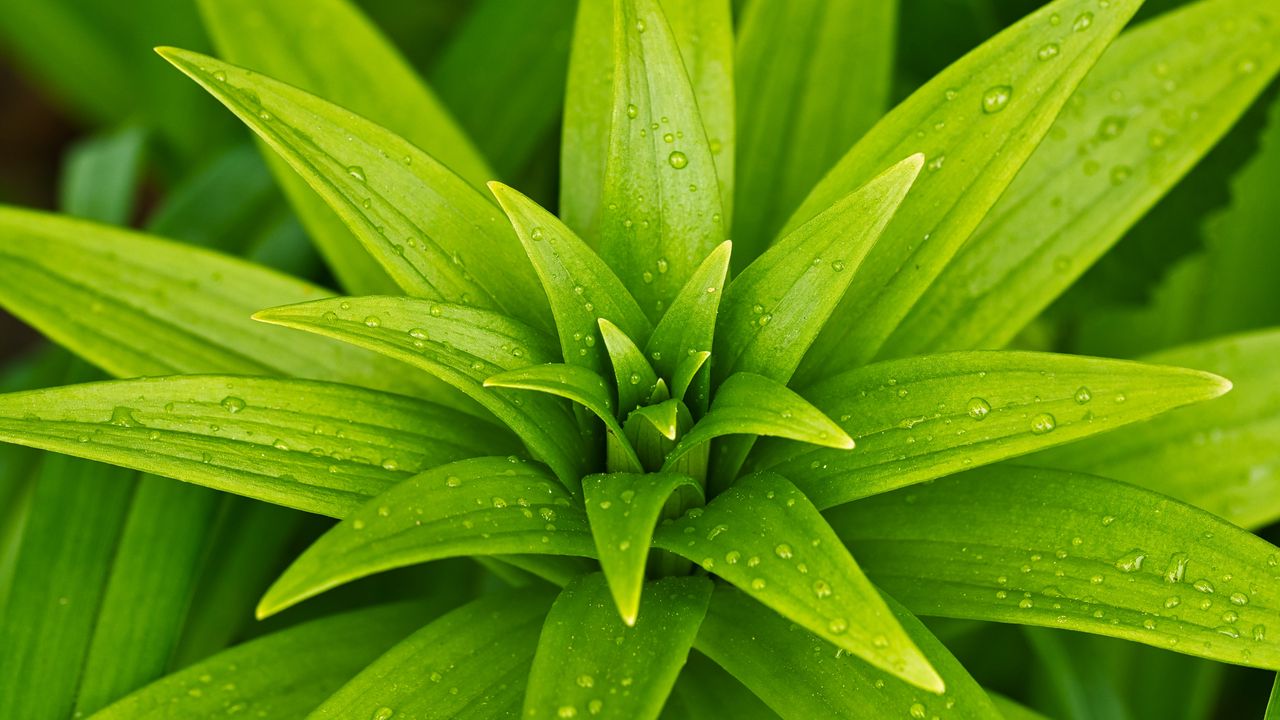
column 86, row 105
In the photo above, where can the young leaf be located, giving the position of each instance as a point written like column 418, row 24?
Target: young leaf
column 463, row 347
column 100, row 180
column 920, row 418
column 469, row 664
column 582, row 289
column 152, row 579
column 685, row 375
column 1043, row 547
column 1220, row 457
column 705, row 691
column 661, row 212
column 482, row 506
column 318, row 447
column 749, row 404
column 1154, row 105
column 812, row 76
column 285, row 674
column 981, row 118
column 801, row 676
column 623, row 509
column 636, row 380
column 590, row 664
column 775, row 309
column 588, row 98
column 72, row 525
column 137, row 305
column 436, row 235
column 345, row 59
column 758, row 533
column 689, row 325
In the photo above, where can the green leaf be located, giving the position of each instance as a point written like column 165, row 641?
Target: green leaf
column 584, row 142
column 136, row 305
column 469, row 664
column 759, row 533
column 1154, row 105
column 812, row 77
column 285, row 674
column 482, row 506
column 623, row 509
column 1011, row 710
column 749, row 404
column 345, row 59
column 580, row 286
column 703, row 30
column 689, row 325
column 462, row 346
column 589, row 663
column 636, row 380
column 920, row 418
column 802, row 676
column 1070, row 677
column 705, row 691
column 152, row 579
column 100, row 180
column 1220, row 457
column 220, row 205
column 685, row 375
column 1273, row 704
column 661, row 211
column 436, row 235
column 72, row 525
column 981, row 118
column 775, row 309
column 573, row 382
column 1051, row 548
column 502, row 76
column 318, row 447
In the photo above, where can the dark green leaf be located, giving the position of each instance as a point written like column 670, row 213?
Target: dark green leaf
column 100, row 180
column 313, row 446
column 1043, row 547
column 623, row 509
column 470, row 664
column 765, row 537
column 590, row 664
column 661, row 212
column 775, row 309
column 689, row 325
column 636, row 380
column 706, row 692
column 921, row 418
column 482, row 506
column 462, row 346
column 981, row 118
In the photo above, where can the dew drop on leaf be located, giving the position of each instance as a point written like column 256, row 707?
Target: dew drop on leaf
column 996, row 98
column 1043, row 423
column 978, row 408
column 232, row 404
column 678, row 160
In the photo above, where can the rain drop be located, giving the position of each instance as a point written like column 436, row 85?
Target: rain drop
column 1043, row 423
column 978, row 408
column 678, row 160
column 996, row 98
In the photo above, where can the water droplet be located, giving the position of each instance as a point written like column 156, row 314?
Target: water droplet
column 1043, row 423
column 1259, row 632
column 1083, row 395
column 640, row 26
column 1083, row 21
column 837, row 626
column 1203, row 586
column 1047, row 51
column 1239, row 598
column 123, row 417
column 1177, row 567
column 1111, row 127
column 383, row 713
column 1172, row 601
column 1107, row 520
column 978, row 408
column 372, row 321
column 1131, row 561
column 678, row 160
column 357, row 172
column 757, row 584
column 586, row 681
column 996, row 98
column 1246, row 66
column 936, row 163
column 1025, row 603
column 783, row 551
column 917, row 711
column 232, row 404
column 821, row 589
column 732, row 557
column 632, row 111
column 568, row 711
column 1120, row 173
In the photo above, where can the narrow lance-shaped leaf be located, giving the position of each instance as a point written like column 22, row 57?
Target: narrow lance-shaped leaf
column 482, row 506
column 344, row 58
column 1221, row 456
column 463, row 347
column 100, row 176
column 920, row 418
column 689, row 325
column 1154, row 105
column 624, row 508
column 636, row 380
column 661, row 212
column 1273, row 704
column 138, row 305
column 437, row 236
column 980, row 118
column 590, row 664
column 705, row 691
column 1051, row 548
column 467, row 665
column 812, row 77
column 318, row 447
column 285, row 674
column 801, row 676
column 759, row 534
column 749, row 404
column 574, row 383
column 581, row 287
column 776, row 308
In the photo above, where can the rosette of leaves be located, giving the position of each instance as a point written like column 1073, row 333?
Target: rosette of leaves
column 707, row 466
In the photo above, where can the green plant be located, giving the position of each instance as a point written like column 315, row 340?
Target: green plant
column 660, row 453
